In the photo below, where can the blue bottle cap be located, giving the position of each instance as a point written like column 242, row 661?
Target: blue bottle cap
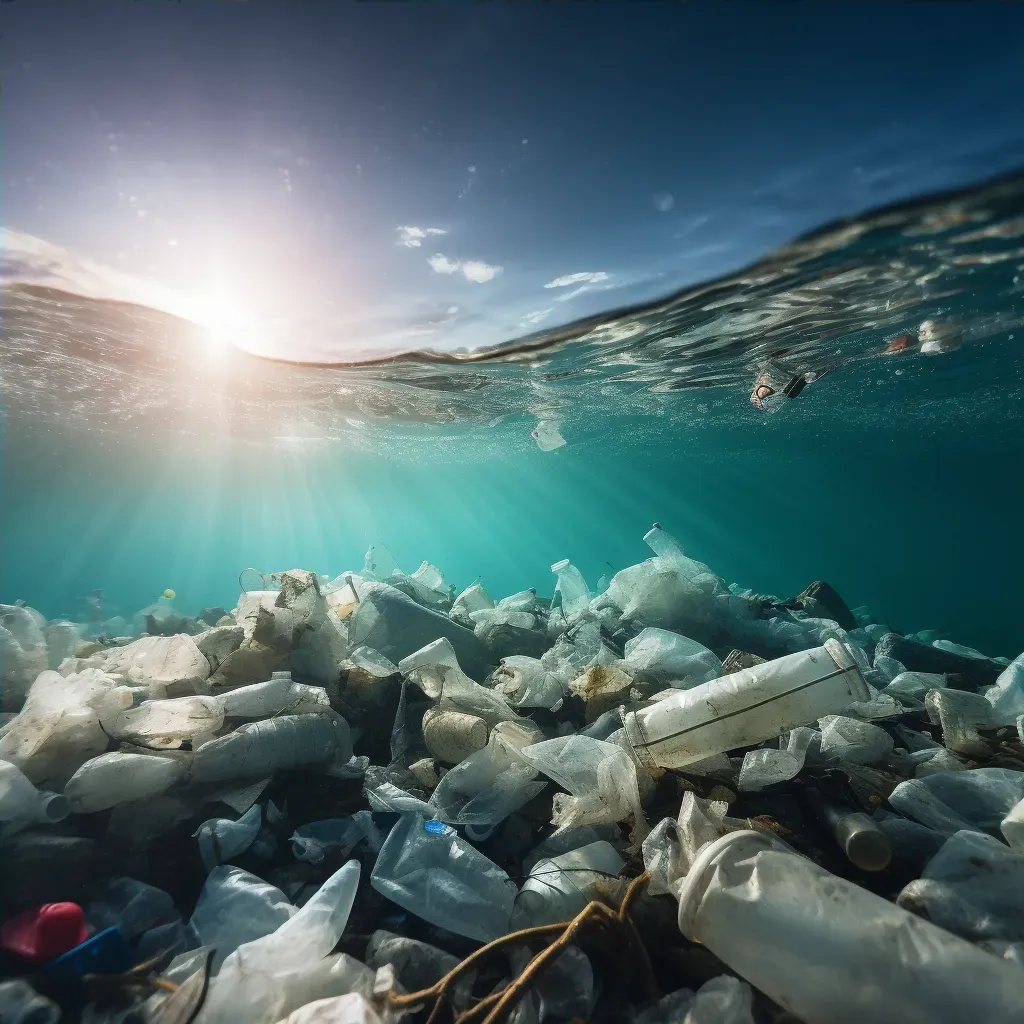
column 435, row 827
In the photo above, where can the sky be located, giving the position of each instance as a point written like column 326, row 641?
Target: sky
column 324, row 180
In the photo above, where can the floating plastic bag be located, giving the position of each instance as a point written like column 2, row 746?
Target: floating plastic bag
column 432, row 873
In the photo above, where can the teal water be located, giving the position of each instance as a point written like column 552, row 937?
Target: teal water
column 136, row 461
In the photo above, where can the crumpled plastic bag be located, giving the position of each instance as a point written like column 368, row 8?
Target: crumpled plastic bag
column 602, row 780
column 661, row 656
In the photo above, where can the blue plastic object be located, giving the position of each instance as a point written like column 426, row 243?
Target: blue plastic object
column 435, row 827
column 107, row 952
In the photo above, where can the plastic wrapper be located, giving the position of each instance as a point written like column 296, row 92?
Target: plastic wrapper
column 767, row 766
column 976, row 800
column 221, row 839
column 601, row 779
column 166, row 723
column 973, row 887
column 660, row 656
column 441, row 878
column 236, row 907
column 847, row 739
column 269, row 977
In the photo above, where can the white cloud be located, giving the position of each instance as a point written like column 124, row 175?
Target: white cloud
column 585, row 277
column 664, row 201
column 412, row 237
column 536, row 317
column 566, row 296
column 475, row 270
column 472, row 270
column 442, row 265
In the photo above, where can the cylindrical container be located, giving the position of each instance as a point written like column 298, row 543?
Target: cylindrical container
column 21, row 803
column 831, row 952
column 558, row 888
column 262, row 748
column 746, row 707
column 117, row 778
column 864, row 843
column 451, row 736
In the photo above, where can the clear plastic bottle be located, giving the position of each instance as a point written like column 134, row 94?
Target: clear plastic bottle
column 573, row 588
column 262, row 748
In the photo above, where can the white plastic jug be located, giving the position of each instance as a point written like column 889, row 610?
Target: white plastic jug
column 831, row 952
column 746, row 707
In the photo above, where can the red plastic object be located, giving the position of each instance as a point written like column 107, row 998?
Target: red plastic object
column 45, row 932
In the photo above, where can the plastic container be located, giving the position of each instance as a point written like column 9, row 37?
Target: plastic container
column 117, row 778
column 22, row 804
column 864, row 843
column 452, row 736
column 558, row 888
column 262, row 748
column 44, row 933
column 745, row 708
column 829, row 951
column 277, row 695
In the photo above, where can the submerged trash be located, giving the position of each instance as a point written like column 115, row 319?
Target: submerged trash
column 195, row 816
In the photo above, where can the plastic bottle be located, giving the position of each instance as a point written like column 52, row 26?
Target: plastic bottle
column 663, row 544
column 746, row 707
column 165, row 723
column 831, row 952
column 864, row 843
column 22, row 804
column 262, row 748
column 439, row 877
column 278, row 694
column 116, row 778
column 573, row 588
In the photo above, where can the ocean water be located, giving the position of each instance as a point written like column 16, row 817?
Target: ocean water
column 139, row 457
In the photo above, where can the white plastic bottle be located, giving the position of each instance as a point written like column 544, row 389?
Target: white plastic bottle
column 746, row 707
column 831, row 952
column 117, row 778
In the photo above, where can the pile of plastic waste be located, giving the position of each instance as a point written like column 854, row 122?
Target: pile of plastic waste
column 365, row 799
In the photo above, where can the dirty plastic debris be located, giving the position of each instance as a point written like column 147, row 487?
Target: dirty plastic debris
column 775, row 918
column 441, row 878
column 747, row 707
column 220, row 839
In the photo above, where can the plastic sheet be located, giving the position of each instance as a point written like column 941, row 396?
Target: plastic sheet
column 442, row 879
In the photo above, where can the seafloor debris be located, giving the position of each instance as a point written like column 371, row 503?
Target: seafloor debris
column 367, row 798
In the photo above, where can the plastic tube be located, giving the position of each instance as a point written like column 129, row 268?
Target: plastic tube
column 864, row 843
column 746, row 707
column 831, row 952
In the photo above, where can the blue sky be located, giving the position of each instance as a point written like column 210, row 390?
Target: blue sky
column 330, row 178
